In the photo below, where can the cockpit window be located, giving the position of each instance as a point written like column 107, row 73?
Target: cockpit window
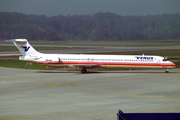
column 165, row 59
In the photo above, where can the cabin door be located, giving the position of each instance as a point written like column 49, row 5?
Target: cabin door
column 158, row 61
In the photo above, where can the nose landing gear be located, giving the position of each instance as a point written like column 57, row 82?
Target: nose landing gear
column 167, row 71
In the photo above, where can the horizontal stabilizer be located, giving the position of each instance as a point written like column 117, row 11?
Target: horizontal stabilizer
column 24, row 47
column 17, row 40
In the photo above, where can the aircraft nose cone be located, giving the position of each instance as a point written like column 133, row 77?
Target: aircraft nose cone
column 173, row 64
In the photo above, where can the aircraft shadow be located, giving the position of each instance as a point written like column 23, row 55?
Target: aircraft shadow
column 101, row 72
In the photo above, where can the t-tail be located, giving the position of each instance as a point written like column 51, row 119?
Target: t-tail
column 27, row 51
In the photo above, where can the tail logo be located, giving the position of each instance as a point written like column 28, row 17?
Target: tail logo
column 26, row 48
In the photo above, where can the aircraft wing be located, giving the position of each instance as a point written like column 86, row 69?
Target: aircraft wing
column 87, row 66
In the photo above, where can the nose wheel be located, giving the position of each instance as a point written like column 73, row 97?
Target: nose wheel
column 83, row 71
column 167, row 71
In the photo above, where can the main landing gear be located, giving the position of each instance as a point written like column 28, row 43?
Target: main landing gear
column 83, row 71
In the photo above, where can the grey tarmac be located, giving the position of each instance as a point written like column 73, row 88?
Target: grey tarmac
column 97, row 95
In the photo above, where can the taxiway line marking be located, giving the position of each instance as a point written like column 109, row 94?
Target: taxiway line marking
column 24, row 88
column 51, row 84
column 116, row 79
column 71, row 115
column 72, row 85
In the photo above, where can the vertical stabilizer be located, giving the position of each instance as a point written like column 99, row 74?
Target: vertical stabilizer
column 24, row 47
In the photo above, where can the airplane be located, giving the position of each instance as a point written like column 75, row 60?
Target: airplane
column 84, row 61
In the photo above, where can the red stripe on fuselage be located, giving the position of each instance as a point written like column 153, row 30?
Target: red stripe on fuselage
column 121, row 64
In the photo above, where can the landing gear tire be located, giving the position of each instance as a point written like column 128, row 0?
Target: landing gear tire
column 83, row 71
column 167, row 71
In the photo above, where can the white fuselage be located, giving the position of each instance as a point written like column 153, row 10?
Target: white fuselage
column 81, row 60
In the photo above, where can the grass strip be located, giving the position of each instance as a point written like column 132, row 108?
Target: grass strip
column 15, row 63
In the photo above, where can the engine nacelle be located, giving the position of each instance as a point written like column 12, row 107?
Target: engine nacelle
column 29, row 58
